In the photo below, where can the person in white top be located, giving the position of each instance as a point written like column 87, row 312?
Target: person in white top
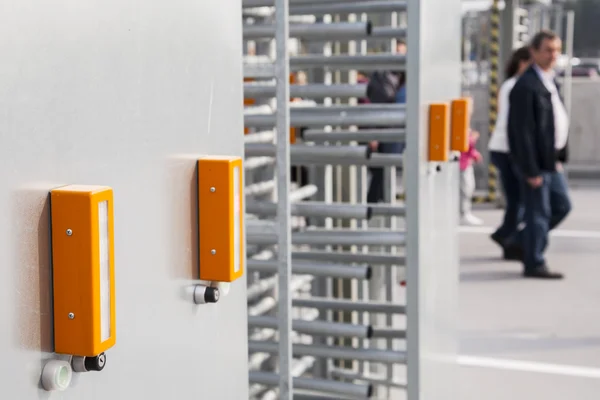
column 506, row 234
column 538, row 129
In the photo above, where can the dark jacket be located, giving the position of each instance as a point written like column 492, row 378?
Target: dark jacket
column 383, row 86
column 531, row 127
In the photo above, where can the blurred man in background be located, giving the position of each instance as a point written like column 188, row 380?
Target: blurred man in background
column 538, row 128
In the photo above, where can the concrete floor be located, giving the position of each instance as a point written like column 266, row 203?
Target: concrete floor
column 527, row 339
column 524, row 339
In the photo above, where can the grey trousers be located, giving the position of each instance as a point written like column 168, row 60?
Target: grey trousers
column 467, row 188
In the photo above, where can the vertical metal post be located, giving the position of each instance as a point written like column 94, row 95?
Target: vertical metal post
column 483, row 53
column 390, row 198
column 318, row 177
column 559, row 15
column 535, row 19
column 390, row 281
column 328, row 50
column 508, row 34
column 493, row 85
column 339, row 184
column 431, row 204
column 412, row 162
column 284, row 242
column 363, row 287
column 545, row 15
column 567, row 86
column 352, row 193
column 568, row 82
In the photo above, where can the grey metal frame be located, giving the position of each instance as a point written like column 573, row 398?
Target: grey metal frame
column 332, row 237
column 335, row 285
column 311, row 31
column 361, row 135
column 313, row 91
column 361, row 391
column 369, row 62
column 350, row 7
column 284, row 238
column 316, row 209
column 315, row 327
column 359, row 116
column 342, row 353
column 568, row 83
column 346, row 305
column 370, row 258
column 432, row 204
column 311, row 268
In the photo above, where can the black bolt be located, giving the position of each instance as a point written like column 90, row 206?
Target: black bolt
column 211, row 295
column 95, row 363
column 438, row 168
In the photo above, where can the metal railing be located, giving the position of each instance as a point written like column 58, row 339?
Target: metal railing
column 323, row 264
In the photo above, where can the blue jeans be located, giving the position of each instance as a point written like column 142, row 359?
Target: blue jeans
column 511, row 184
column 545, row 208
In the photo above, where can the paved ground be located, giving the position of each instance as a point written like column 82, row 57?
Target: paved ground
column 528, row 339
column 524, row 339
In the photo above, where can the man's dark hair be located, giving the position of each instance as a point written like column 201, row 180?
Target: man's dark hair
column 538, row 39
column 400, row 42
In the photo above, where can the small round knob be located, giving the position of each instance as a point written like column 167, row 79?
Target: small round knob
column 95, row 363
column 206, row 294
column 211, row 295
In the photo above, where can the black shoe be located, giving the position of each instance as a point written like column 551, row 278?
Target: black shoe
column 542, row 273
column 513, row 252
column 499, row 241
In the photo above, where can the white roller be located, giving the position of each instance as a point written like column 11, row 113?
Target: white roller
column 56, row 375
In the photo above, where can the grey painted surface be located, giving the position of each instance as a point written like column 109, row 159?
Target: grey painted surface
column 434, row 69
column 584, row 141
column 112, row 93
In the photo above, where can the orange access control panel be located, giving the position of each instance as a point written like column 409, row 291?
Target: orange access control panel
column 220, row 218
column 83, row 271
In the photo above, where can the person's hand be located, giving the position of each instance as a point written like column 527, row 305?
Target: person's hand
column 475, row 135
column 535, row 182
column 559, row 166
column 373, row 145
column 478, row 157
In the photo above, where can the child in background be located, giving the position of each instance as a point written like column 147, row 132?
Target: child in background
column 467, row 180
